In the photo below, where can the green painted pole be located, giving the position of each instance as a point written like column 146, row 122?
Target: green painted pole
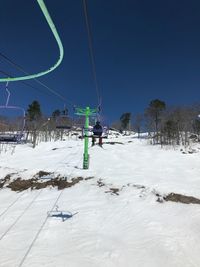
column 86, row 139
column 87, row 112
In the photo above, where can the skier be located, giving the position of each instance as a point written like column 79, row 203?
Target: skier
column 97, row 131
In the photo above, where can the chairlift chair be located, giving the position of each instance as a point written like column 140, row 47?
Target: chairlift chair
column 91, row 134
column 8, row 136
column 62, row 120
column 62, row 123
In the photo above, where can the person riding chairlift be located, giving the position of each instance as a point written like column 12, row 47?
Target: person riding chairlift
column 97, row 131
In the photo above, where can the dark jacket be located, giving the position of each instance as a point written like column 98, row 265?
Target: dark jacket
column 97, row 130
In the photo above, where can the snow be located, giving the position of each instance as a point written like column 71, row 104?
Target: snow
column 107, row 230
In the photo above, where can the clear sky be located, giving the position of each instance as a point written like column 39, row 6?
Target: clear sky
column 143, row 50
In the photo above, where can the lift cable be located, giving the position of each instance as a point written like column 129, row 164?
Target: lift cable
column 20, row 68
column 91, row 50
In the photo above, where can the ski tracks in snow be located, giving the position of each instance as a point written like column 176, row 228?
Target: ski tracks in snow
column 24, row 218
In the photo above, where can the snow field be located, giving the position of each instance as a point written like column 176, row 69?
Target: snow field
column 109, row 230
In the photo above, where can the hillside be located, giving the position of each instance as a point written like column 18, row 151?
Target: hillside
column 114, row 214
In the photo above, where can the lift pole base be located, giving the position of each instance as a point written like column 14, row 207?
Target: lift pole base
column 86, row 161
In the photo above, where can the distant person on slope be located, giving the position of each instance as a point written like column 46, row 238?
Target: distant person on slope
column 97, row 131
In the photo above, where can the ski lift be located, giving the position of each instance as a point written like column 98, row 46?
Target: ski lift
column 105, row 132
column 105, row 128
column 9, row 135
column 102, row 132
column 96, row 132
column 62, row 120
column 89, row 131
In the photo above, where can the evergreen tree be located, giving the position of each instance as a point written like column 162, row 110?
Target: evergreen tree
column 154, row 111
column 56, row 113
column 169, row 131
column 65, row 112
column 125, row 120
column 34, row 111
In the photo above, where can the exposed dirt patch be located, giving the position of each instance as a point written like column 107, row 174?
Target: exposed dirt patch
column 21, row 185
column 100, row 183
column 5, row 180
column 40, row 174
column 89, row 178
column 181, row 198
column 114, row 191
column 64, row 184
column 7, row 177
column 138, row 186
column 160, row 198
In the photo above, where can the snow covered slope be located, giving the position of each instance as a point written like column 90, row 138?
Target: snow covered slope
column 117, row 220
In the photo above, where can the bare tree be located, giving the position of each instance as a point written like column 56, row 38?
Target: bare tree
column 137, row 123
column 153, row 116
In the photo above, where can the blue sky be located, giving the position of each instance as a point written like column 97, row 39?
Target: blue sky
column 143, row 50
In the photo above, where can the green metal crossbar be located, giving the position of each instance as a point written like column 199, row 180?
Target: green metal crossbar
column 60, row 46
column 87, row 112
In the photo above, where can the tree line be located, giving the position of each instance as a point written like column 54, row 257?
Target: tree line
column 165, row 125
column 42, row 128
column 38, row 127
